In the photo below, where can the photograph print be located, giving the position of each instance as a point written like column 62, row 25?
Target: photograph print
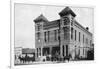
column 49, row 34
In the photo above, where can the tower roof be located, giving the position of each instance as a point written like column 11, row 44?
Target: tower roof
column 41, row 18
column 67, row 11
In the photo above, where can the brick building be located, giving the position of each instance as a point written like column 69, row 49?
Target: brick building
column 64, row 36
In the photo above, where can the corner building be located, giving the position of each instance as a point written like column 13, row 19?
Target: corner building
column 64, row 36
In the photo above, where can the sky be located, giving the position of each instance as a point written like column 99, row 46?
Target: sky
column 26, row 13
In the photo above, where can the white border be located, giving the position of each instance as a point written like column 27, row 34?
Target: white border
column 61, row 65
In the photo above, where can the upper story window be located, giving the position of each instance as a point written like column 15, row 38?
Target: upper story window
column 66, row 21
column 79, row 36
column 48, row 36
column 58, row 34
column 66, row 29
column 86, row 41
column 72, row 22
column 83, row 38
column 66, row 32
column 90, row 42
column 39, row 49
column 71, row 33
column 38, row 36
column 75, row 34
column 45, row 39
column 38, row 27
column 55, row 35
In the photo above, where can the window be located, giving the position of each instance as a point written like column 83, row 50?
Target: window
column 83, row 51
column 90, row 42
column 55, row 35
column 37, row 52
column 58, row 32
column 79, row 36
column 71, row 33
column 72, row 22
column 48, row 35
column 38, row 27
column 45, row 37
column 86, row 41
column 66, row 29
column 79, row 52
column 66, row 50
column 83, row 38
column 75, row 50
column 38, row 36
column 66, row 32
column 75, row 34
column 40, row 51
column 63, row 50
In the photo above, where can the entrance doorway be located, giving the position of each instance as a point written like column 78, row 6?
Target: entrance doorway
column 66, row 50
column 46, row 51
column 55, row 50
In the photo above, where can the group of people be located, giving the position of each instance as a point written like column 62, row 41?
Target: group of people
column 26, row 58
column 57, row 57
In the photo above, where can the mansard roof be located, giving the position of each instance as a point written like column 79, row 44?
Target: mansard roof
column 41, row 18
column 67, row 11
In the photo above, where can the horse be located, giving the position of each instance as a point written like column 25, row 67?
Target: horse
column 22, row 59
column 26, row 59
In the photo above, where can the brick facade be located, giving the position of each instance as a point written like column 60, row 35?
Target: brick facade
column 64, row 36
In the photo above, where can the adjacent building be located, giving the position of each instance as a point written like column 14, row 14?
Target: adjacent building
column 28, row 51
column 64, row 36
column 18, row 52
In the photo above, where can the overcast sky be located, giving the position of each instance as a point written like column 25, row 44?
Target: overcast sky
column 25, row 14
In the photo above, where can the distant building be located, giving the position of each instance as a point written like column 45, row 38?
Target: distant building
column 64, row 36
column 28, row 51
column 18, row 51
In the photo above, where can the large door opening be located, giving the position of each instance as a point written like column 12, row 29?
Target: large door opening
column 46, row 51
column 55, row 50
column 66, row 50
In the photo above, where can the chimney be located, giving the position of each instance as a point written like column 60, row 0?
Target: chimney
column 87, row 28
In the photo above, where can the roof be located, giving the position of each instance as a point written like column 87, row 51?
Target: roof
column 41, row 18
column 51, row 24
column 28, row 51
column 83, row 28
column 67, row 11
